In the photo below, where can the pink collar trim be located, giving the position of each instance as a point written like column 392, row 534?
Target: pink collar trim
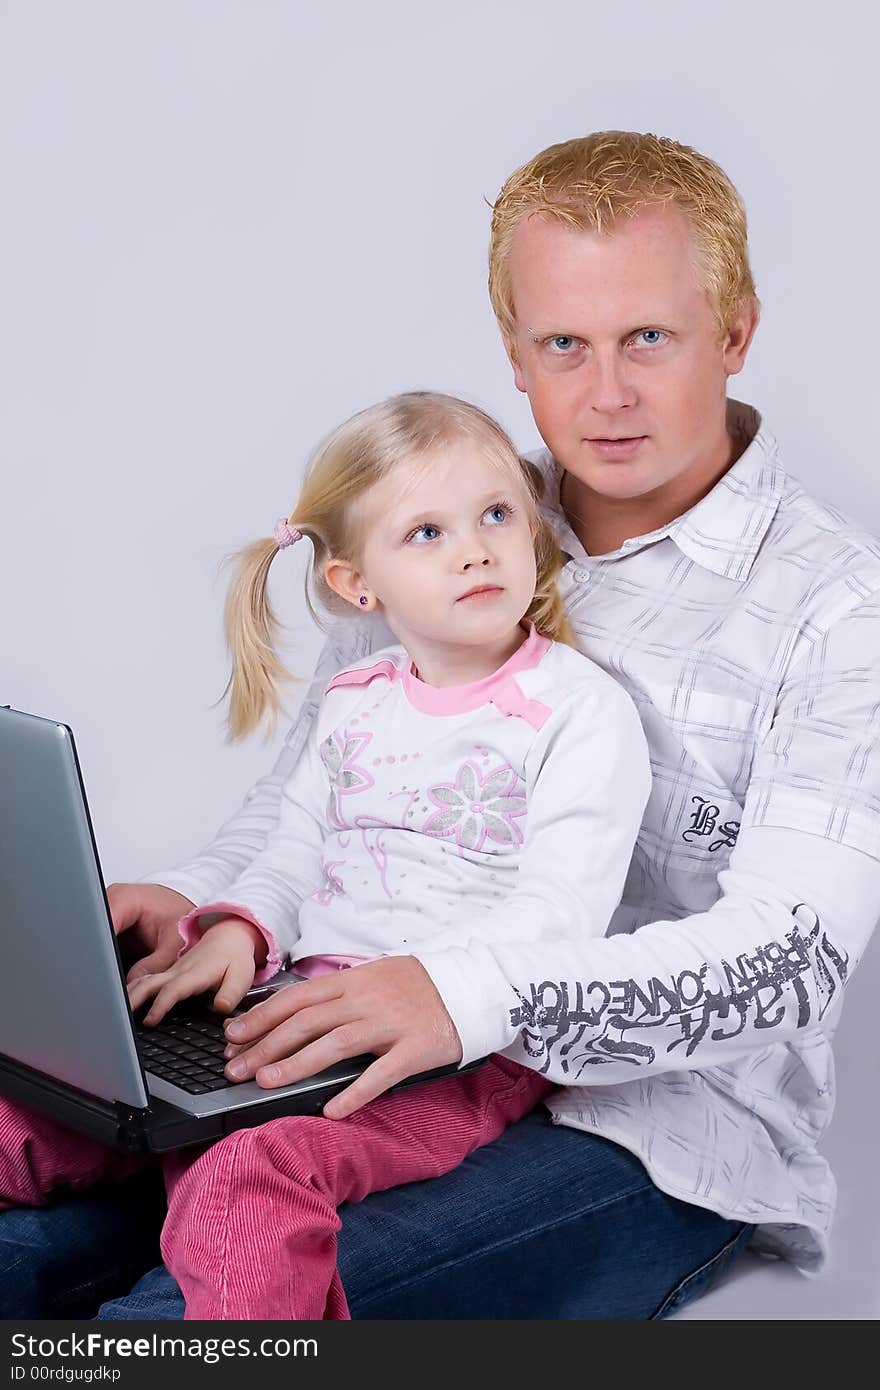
column 460, row 699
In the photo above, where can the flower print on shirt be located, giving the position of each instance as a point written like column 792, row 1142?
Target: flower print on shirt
column 474, row 808
column 338, row 753
column 332, row 887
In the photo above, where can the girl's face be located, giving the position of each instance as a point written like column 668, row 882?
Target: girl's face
column 447, row 550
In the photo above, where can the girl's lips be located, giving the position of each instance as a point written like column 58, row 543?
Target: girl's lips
column 618, row 448
column 486, row 591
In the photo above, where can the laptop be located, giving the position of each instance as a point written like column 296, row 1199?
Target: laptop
column 69, row 1044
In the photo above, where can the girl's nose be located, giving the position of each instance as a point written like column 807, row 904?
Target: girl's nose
column 474, row 559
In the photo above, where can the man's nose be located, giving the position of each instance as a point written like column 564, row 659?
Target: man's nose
column 610, row 388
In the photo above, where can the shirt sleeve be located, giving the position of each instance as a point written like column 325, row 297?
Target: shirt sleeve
column 288, row 869
column 799, row 900
column 587, row 783
column 240, row 839
column 818, row 768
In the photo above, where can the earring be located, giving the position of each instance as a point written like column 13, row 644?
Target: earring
column 363, row 600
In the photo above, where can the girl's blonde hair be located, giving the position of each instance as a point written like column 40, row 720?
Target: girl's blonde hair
column 593, row 181
column 346, row 465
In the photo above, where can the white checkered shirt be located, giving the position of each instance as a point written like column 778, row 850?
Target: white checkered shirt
column 697, row 1033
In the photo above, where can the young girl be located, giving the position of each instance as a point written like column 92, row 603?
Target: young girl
column 469, row 796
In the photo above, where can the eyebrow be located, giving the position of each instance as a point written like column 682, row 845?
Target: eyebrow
column 416, row 517
column 660, row 321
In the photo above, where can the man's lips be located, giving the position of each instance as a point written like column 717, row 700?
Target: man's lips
column 482, row 591
column 617, row 447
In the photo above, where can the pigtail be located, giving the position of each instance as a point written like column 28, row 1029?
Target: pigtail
column 547, row 610
column 252, row 631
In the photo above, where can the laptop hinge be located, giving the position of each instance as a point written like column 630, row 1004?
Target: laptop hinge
column 130, row 1128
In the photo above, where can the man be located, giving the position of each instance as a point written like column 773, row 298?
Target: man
column 744, row 619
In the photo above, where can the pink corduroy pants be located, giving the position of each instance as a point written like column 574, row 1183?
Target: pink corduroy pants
column 252, row 1220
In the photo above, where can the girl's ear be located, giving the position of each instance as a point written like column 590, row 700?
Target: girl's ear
column 344, row 580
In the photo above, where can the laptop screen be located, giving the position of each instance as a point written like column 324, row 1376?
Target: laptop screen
column 63, row 1006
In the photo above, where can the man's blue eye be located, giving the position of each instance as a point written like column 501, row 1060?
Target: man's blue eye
column 562, row 342
column 652, row 336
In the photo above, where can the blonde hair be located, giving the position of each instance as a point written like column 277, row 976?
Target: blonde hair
column 346, row 465
column 592, row 181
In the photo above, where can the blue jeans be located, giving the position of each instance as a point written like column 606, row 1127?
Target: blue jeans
column 546, row 1222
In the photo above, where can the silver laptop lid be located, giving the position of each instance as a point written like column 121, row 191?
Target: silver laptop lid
column 63, row 1008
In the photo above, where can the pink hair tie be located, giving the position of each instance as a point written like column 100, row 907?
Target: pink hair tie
column 285, row 534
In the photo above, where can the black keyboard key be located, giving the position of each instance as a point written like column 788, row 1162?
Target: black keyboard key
column 186, row 1050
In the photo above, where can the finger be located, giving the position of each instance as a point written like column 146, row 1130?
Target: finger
column 183, row 984
column 166, row 998
column 124, row 906
column 378, row 1078
column 235, row 1049
column 161, row 959
column 143, row 989
column 282, row 1005
column 288, row 1037
column 349, row 1040
column 236, row 982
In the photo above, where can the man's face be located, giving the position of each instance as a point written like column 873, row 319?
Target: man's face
column 617, row 346
column 448, row 550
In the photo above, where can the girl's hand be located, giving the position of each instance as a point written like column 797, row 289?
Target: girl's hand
column 389, row 1007
column 225, row 957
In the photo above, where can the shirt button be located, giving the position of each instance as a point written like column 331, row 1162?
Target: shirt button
column 582, row 576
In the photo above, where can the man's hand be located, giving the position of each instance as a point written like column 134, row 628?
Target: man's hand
column 225, row 957
column 150, row 913
column 389, row 1007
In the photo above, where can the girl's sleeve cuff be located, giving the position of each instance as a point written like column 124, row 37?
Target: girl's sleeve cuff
column 191, row 928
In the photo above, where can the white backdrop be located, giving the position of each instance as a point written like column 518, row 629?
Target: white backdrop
column 227, row 224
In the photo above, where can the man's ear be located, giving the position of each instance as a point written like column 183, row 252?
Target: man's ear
column 739, row 336
column 513, row 359
column 348, row 583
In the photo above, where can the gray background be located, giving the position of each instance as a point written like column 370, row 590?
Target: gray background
column 228, row 225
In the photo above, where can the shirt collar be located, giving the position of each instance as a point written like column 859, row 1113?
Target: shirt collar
column 460, row 699
column 724, row 531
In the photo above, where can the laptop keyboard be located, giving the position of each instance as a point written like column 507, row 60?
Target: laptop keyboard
column 186, row 1050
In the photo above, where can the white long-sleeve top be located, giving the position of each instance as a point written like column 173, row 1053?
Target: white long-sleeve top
column 698, row 1032
column 425, row 821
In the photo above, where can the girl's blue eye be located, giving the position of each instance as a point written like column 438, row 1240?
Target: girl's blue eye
column 427, row 532
column 498, row 514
